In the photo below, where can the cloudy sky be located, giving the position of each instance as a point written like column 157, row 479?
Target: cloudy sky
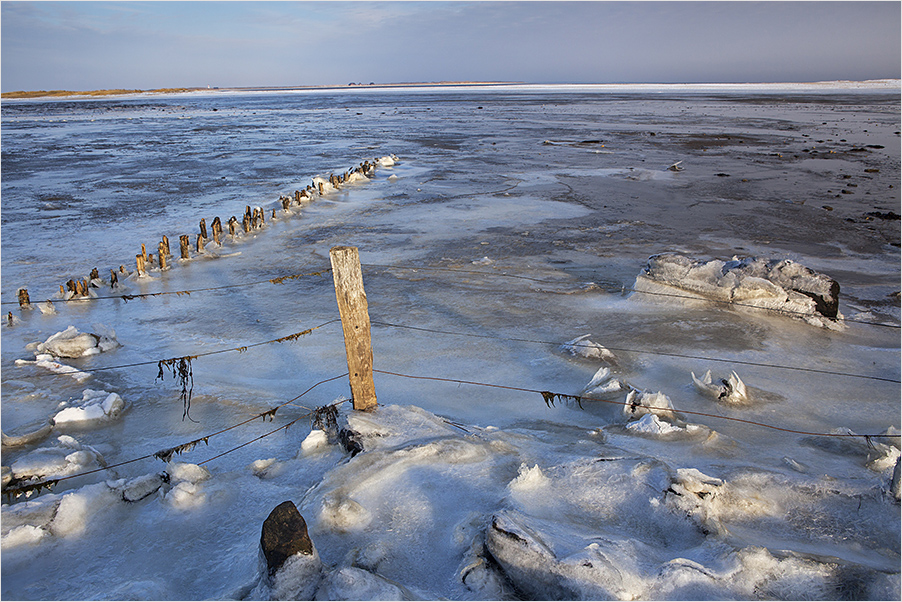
column 145, row 45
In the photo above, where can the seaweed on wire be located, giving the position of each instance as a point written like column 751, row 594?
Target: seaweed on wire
column 550, row 399
column 181, row 370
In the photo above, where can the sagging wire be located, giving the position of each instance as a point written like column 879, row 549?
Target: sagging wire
column 167, row 454
column 549, row 398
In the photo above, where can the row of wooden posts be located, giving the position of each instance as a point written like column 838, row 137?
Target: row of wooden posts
column 253, row 219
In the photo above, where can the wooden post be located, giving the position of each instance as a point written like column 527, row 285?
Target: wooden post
column 217, row 230
column 139, row 261
column 114, row 279
column 233, row 225
column 166, row 246
column 95, row 275
column 203, row 228
column 143, row 253
column 355, row 322
column 162, row 256
column 185, row 245
column 200, row 243
column 24, row 301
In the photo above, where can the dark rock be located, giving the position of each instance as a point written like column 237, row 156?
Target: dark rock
column 889, row 215
column 284, row 534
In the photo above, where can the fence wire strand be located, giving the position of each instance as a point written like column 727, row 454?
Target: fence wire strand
column 166, row 454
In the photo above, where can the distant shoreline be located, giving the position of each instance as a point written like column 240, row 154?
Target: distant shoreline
column 881, row 84
column 121, row 91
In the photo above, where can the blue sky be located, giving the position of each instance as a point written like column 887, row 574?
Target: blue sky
column 90, row 45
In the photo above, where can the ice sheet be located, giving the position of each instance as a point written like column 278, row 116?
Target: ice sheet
column 488, row 257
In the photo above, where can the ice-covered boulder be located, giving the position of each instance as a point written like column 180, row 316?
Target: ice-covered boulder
column 66, row 458
column 95, row 406
column 778, row 284
column 72, row 343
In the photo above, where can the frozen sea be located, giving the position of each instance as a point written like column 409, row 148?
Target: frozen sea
column 508, row 222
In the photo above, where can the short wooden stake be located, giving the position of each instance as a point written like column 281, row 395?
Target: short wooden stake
column 143, row 252
column 95, row 275
column 274, row 214
column 200, row 243
column 166, row 246
column 162, row 255
column 216, row 226
column 233, row 225
column 184, row 245
column 246, row 223
column 9, row 319
column 320, row 186
column 24, row 301
column 114, row 279
column 62, row 291
column 139, row 261
column 203, row 228
column 355, row 322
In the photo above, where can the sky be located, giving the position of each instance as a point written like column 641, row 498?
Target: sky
column 150, row 45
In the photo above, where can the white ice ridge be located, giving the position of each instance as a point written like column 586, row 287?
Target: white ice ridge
column 782, row 285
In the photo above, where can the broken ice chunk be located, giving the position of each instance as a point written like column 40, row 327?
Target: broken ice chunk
column 588, row 349
column 728, row 390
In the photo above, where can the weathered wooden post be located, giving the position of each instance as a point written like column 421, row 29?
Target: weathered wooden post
column 143, row 252
column 185, row 245
column 139, row 261
column 95, row 275
column 203, row 228
column 217, row 230
column 233, row 225
column 166, row 246
column 200, row 242
column 162, row 248
column 24, row 301
column 355, row 322
column 114, row 279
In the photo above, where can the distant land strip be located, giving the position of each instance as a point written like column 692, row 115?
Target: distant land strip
column 46, row 93
column 119, row 92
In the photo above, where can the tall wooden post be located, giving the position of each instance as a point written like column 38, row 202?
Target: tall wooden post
column 184, row 245
column 355, row 322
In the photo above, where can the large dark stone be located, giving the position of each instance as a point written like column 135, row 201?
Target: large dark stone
column 284, row 534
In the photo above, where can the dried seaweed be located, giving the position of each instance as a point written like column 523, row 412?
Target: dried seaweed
column 166, row 454
column 550, row 399
column 294, row 337
column 283, row 279
column 181, row 370
column 325, row 418
column 27, row 489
